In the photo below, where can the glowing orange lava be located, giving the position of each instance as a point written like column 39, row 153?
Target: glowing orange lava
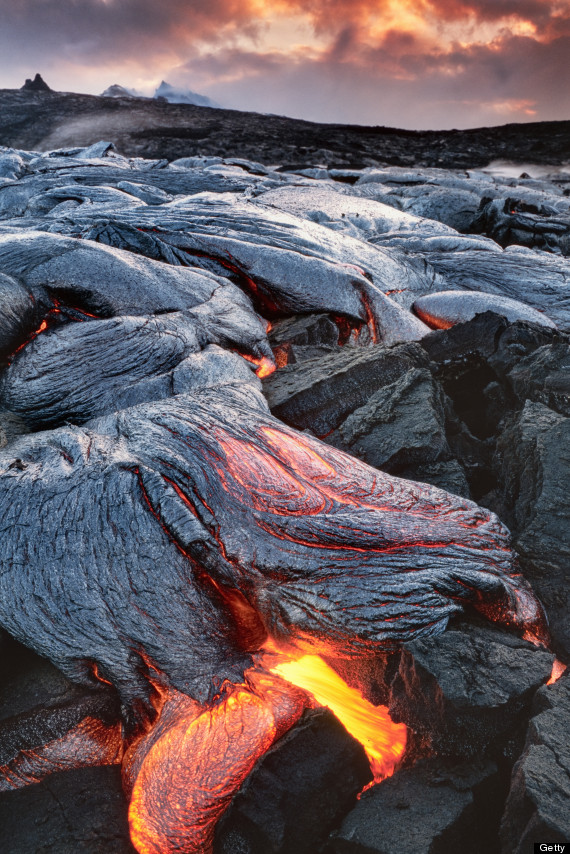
column 185, row 770
column 431, row 321
column 189, row 769
column 558, row 668
column 383, row 740
column 265, row 367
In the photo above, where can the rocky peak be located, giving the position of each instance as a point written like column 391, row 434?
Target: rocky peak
column 38, row 84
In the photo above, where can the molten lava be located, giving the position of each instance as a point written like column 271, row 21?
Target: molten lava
column 265, row 367
column 558, row 668
column 183, row 773
column 383, row 740
column 187, row 770
column 432, row 321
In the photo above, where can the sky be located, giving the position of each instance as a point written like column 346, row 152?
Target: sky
column 403, row 63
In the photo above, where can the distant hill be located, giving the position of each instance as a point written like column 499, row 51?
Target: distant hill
column 169, row 93
column 183, row 96
column 37, row 118
column 117, row 91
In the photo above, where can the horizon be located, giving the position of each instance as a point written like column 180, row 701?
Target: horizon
column 150, row 97
column 413, row 64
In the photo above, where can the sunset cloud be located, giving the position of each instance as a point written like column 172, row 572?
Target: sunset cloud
column 413, row 63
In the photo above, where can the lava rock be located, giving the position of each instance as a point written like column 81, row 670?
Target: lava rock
column 539, row 279
column 28, row 681
column 39, row 707
column 319, row 395
column 544, row 376
column 517, row 341
column 537, row 805
column 513, row 221
column 443, row 309
column 73, row 811
column 297, row 791
column 11, row 426
column 432, row 808
column 340, row 209
column 533, row 465
column 401, row 424
column 472, row 361
column 159, row 474
column 478, row 335
column 289, row 265
column 445, row 474
column 145, row 192
column 304, row 337
column 318, row 330
column 469, row 689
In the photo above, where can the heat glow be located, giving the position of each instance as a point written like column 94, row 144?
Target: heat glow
column 383, row 740
column 558, row 668
column 187, row 771
column 265, row 367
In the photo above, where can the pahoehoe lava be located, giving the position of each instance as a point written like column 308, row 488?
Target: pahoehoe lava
column 161, row 528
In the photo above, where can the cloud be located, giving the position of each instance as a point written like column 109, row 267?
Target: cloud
column 513, row 79
column 102, row 30
column 414, row 63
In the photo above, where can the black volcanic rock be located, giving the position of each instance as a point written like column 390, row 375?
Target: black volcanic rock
column 297, row 791
column 299, row 338
column 319, row 395
column 479, row 335
column 381, row 405
column 433, row 807
column 467, row 691
column 39, row 707
column 402, row 424
column 445, row 474
column 29, row 682
column 537, row 806
column 70, row 812
column 488, row 368
column 533, row 465
column 511, row 221
column 544, row 376
column 38, row 84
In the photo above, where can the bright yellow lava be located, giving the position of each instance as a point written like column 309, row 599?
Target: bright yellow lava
column 383, row 740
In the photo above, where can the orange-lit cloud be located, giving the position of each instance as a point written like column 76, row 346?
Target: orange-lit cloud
column 414, row 63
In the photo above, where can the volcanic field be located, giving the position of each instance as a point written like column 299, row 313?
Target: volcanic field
column 283, row 485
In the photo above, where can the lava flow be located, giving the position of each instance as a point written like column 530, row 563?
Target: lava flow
column 558, row 668
column 265, row 367
column 383, row 740
column 185, row 771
